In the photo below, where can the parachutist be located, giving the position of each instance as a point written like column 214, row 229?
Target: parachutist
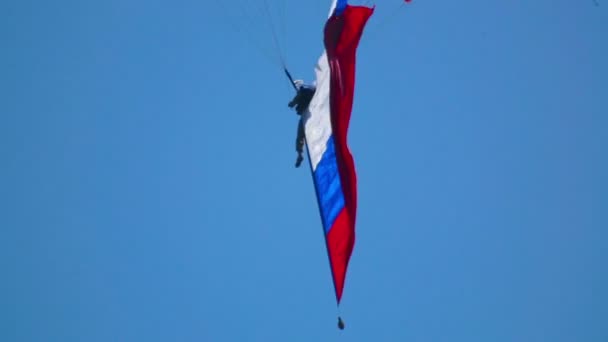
column 340, row 323
column 301, row 101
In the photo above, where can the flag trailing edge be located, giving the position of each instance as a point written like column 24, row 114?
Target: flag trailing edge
column 326, row 130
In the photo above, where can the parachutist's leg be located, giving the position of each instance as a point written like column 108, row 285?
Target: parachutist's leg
column 300, row 143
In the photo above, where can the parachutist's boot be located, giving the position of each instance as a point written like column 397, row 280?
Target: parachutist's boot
column 299, row 160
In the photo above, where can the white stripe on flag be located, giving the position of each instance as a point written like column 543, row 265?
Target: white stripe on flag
column 317, row 124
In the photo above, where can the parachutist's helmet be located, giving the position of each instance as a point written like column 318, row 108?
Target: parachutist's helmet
column 298, row 83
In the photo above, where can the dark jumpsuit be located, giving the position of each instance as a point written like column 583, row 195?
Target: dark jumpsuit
column 301, row 101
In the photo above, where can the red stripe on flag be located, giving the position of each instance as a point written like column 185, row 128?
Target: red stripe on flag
column 342, row 35
column 340, row 241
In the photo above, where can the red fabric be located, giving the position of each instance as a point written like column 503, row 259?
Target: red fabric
column 340, row 241
column 342, row 35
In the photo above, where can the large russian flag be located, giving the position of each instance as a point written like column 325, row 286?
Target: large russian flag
column 326, row 129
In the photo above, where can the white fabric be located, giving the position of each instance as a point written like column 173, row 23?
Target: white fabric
column 332, row 7
column 317, row 124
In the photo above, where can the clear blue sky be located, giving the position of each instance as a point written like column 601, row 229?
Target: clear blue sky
column 147, row 187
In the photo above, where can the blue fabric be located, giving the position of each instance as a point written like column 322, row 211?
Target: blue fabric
column 329, row 188
column 340, row 6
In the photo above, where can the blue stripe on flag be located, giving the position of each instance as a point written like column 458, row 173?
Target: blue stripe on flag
column 329, row 188
column 340, row 6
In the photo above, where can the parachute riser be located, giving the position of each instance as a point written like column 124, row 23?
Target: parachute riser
column 293, row 84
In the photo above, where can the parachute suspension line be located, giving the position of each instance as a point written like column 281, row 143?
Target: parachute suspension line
column 383, row 21
column 276, row 39
column 340, row 321
column 265, row 12
column 249, row 23
column 274, row 34
column 393, row 14
column 282, row 24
